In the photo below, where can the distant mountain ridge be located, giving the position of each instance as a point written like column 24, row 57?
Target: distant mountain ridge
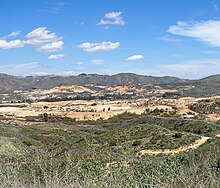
column 10, row 83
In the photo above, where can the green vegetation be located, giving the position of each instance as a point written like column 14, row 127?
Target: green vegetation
column 207, row 106
column 61, row 152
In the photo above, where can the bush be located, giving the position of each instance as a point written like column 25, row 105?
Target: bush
column 136, row 143
column 177, row 135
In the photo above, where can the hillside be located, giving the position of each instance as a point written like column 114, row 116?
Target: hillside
column 202, row 87
column 62, row 152
column 206, row 86
column 212, row 78
column 10, row 83
column 48, row 82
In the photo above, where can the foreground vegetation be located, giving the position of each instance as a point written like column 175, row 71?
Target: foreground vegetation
column 104, row 153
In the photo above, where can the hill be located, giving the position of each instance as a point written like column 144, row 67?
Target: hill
column 202, row 87
column 48, row 82
column 10, row 83
column 106, row 153
column 212, row 78
column 206, row 86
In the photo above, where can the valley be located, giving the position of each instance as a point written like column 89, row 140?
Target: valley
column 109, row 94
column 105, row 128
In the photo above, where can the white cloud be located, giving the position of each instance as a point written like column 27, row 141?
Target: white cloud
column 56, row 56
column 22, row 69
column 99, row 47
column 112, row 18
column 52, row 47
column 40, row 36
column 135, row 57
column 113, row 15
column 10, row 44
column 67, row 73
column 192, row 69
column 57, row 73
column 55, row 7
column 107, row 27
column 41, row 39
column 12, row 34
column 38, row 74
column 79, row 63
column 205, row 31
column 168, row 39
column 211, row 52
column 33, row 69
column 44, row 40
column 97, row 61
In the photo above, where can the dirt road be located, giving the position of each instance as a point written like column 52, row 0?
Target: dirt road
column 192, row 146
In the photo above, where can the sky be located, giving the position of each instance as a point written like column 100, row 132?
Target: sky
column 149, row 37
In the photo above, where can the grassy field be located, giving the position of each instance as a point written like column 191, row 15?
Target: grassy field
column 61, row 152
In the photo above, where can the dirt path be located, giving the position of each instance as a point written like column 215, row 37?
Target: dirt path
column 192, row 146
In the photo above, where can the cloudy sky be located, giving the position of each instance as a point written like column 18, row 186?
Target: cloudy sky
column 150, row 37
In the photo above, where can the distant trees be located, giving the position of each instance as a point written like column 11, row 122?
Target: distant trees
column 44, row 117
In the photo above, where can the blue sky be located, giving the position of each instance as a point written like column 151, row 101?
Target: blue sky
column 150, row 37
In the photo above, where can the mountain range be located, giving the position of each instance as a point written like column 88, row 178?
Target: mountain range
column 10, row 83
